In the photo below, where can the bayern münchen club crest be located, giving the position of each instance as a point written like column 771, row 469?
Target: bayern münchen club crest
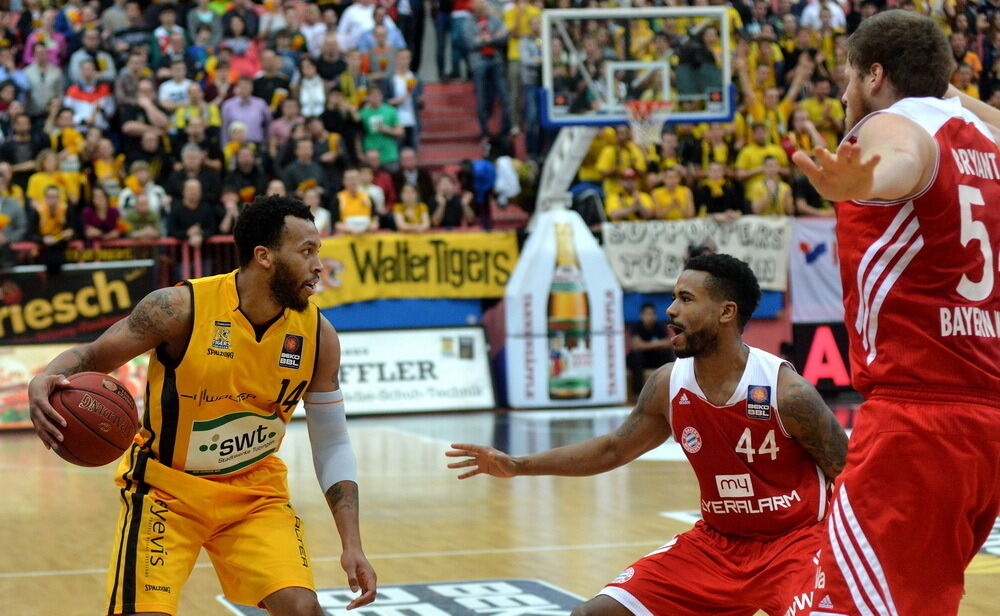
column 690, row 440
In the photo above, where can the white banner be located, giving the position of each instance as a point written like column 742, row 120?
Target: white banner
column 648, row 256
column 414, row 370
column 565, row 329
column 815, row 272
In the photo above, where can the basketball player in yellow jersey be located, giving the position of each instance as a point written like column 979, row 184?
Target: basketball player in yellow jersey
column 232, row 356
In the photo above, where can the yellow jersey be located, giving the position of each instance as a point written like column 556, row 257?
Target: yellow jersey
column 229, row 154
column 414, row 215
column 752, row 157
column 14, row 192
column 715, row 153
column 671, row 204
column 358, row 204
column 108, row 175
column 620, row 200
column 211, row 114
column 517, row 19
column 774, row 202
column 654, row 154
column 618, row 158
column 776, row 119
column 38, row 183
column 224, row 405
column 588, row 168
column 817, row 112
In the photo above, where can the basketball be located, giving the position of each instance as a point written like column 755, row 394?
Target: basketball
column 101, row 419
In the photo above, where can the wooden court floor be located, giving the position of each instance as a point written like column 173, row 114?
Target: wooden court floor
column 419, row 523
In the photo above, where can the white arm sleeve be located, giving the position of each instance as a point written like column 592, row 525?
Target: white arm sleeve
column 331, row 446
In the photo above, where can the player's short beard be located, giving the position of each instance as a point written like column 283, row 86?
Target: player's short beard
column 697, row 343
column 858, row 107
column 286, row 289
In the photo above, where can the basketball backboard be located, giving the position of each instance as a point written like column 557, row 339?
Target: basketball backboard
column 594, row 60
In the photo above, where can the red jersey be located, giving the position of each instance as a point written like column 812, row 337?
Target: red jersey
column 920, row 275
column 756, row 481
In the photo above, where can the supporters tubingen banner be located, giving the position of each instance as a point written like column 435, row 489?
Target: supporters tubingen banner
column 648, row 256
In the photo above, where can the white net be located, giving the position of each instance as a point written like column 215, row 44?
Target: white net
column 646, row 119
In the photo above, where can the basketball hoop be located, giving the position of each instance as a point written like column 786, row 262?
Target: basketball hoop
column 646, row 119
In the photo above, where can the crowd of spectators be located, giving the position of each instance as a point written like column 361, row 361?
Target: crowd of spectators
column 126, row 118
column 145, row 119
column 789, row 64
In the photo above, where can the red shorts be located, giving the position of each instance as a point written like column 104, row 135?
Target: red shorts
column 916, row 501
column 704, row 572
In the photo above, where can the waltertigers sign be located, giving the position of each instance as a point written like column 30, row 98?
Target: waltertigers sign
column 399, row 265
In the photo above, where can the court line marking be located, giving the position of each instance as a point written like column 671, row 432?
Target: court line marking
column 234, row 609
column 105, row 473
column 47, row 467
column 321, row 559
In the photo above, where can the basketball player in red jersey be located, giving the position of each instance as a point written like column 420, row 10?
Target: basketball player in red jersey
column 763, row 445
column 918, row 185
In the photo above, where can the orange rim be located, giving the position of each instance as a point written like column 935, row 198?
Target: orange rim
column 641, row 110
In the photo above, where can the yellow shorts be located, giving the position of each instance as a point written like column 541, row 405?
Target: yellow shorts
column 245, row 522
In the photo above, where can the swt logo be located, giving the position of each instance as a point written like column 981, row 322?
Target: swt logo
column 231, row 442
column 240, row 442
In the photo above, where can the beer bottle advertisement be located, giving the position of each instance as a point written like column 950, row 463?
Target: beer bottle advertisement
column 570, row 361
column 565, row 332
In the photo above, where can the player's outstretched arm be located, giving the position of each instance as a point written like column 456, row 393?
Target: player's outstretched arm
column 892, row 159
column 336, row 467
column 811, row 422
column 163, row 316
column 645, row 428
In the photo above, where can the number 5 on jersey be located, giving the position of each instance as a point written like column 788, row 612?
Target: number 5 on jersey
column 972, row 229
column 768, row 446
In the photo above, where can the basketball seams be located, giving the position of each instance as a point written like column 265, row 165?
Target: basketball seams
column 108, row 397
column 66, row 455
column 83, row 423
column 83, row 380
column 111, row 406
column 133, row 420
column 67, row 400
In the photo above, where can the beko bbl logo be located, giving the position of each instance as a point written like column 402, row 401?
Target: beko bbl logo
column 291, row 352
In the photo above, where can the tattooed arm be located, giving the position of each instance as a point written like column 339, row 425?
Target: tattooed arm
column 342, row 497
column 811, row 423
column 645, row 428
column 335, row 462
column 163, row 317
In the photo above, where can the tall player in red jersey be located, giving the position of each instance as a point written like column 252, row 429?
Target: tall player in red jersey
column 763, row 445
column 918, row 226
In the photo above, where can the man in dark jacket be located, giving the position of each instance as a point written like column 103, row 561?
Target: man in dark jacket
column 485, row 38
column 410, row 173
column 304, row 172
column 651, row 347
column 193, row 166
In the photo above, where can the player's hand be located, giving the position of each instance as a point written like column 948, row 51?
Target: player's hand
column 360, row 576
column 842, row 176
column 45, row 418
column 486, row 460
